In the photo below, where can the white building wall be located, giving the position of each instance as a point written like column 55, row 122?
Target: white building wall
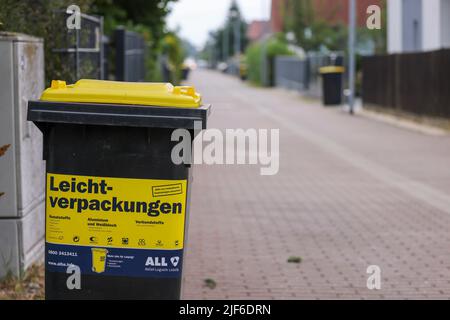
column 445, row 23
column 431, row 25
column 435, row 24
column 394, row 25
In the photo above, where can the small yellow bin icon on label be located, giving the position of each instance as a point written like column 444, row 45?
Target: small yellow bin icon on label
column 99, row 260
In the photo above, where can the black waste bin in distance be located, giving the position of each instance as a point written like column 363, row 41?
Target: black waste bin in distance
column 332, row 85
column 116, row 204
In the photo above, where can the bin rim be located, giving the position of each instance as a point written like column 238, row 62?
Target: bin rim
column 43, row 113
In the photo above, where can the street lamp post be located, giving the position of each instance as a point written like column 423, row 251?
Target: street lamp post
column 351, row 53
column 225, row 41
column 237, row 30
column 264, row 75
column 238, row 34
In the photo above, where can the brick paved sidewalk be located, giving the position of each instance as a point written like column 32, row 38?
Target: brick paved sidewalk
column 351, row 192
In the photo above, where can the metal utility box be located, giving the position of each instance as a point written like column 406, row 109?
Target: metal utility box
column 22, row 170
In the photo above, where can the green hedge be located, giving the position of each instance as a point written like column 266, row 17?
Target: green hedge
column 270, row 48
column 40, row 19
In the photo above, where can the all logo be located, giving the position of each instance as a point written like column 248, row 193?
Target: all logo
column 174, row 261
column 161, row 261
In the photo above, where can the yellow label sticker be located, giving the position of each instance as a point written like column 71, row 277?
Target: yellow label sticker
column 115, row 212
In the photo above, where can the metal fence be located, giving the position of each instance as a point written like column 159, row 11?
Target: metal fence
column 291, row 73
column 303, row 74
column 415, row 83
column 81, row 49
column 130, row 55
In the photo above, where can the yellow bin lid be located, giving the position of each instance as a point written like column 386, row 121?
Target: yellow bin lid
column 116, row 92
column 331, row 69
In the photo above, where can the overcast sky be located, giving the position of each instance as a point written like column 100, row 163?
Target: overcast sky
column 196, row 18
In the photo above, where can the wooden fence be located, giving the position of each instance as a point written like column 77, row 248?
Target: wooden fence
column 415, row 83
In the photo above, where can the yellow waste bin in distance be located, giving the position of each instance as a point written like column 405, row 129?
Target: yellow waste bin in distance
column 116, row 203
column 332, row 77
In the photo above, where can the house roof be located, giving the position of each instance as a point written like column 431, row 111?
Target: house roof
column 257, row 29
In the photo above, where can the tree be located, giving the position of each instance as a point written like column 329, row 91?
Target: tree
column 150, row 14
column 143, row 16
column 227, row 34
column 40, row 18
column 377, row 36
column 173, row 51
column 300, row 19
column 314, row 32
